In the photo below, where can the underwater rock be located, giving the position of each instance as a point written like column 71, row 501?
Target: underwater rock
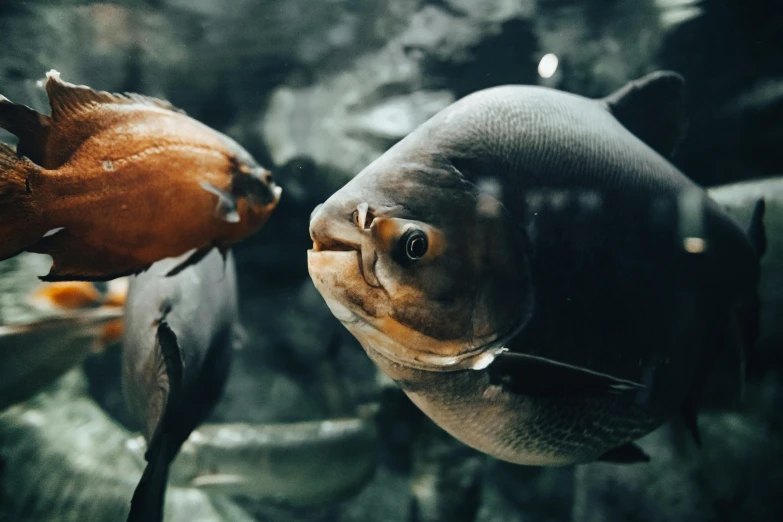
column 64, row 460
column 349, row 117
column 446, row 481
column 122, row 46
column 56, row 448
column 734, row 477
column 542, row 494
column 346, row 121
column 600, row 45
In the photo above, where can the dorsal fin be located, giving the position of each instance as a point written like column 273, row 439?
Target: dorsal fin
column 653, row 109
column 67, row 99
column 31, row 127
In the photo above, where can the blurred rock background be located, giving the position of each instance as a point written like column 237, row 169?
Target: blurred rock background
column 317, row 89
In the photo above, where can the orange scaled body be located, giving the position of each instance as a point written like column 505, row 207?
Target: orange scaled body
column 109, row 184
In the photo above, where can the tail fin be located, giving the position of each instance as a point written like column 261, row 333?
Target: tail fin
column 18, row 231
column 148, row 499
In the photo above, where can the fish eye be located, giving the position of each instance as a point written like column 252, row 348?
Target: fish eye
column 412, row 246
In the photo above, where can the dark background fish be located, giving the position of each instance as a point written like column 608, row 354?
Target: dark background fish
column 180, row 335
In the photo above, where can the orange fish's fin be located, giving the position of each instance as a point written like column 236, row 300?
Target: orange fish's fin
column 68, row 100
column 31, row 127
column 72, row 260
column 224, row 251
column 192, row 259
column 71, row 295
column 226, row 205
column 57, row 273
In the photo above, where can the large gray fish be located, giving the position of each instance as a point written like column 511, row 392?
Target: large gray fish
column 536, row 276
column 180, row 332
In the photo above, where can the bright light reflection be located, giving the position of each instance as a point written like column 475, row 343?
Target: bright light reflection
column 694, row 245
column 548, row 65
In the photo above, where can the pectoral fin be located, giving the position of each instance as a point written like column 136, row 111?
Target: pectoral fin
column 626, row 454
column 541, row 377
column 172, row 356
column 227, row 204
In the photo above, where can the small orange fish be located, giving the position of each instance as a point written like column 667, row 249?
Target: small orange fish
column 77, row 297
column 111, row 183
column 68, row 295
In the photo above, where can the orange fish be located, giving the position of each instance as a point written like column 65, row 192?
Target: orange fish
column 111, row 183
column 67, row 295
column 71, row 297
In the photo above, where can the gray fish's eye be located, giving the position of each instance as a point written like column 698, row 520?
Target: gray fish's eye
column 412, row 246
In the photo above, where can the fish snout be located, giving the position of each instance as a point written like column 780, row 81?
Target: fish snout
column 315, row 212
column 331, row 233
column 338, row 226
column 341, row 228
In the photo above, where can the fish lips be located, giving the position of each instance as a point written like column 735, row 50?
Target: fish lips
column 331, row 234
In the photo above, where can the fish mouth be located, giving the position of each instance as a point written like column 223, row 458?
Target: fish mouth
column 328, row 247
column 332, row 235
column 330, row 244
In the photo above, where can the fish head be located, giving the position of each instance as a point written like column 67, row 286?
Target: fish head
column 252, row 185
column 420, row 264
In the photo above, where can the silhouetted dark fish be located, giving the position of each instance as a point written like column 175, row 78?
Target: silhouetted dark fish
column 304, row 463
column 110, row 183
column 180, row 332
column 535, row 275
